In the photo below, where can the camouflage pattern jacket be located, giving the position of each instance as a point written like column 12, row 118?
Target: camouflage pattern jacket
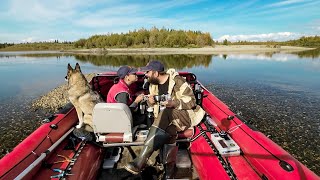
column 182, row 94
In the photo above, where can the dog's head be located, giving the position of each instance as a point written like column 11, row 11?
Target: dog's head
column 72, row 71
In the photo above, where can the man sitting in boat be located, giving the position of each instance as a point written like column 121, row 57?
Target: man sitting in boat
column 120, row 92
column 180, row 112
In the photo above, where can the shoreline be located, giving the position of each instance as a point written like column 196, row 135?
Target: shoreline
column 56, row 98
column 219, row 49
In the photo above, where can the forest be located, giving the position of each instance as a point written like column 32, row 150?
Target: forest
column 143, row 38
column 153, row 38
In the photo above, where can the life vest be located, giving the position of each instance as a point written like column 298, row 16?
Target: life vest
column 120, row 87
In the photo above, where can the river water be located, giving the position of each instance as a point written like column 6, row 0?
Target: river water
column 279, row 93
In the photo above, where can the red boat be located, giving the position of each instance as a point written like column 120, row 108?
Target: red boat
column 222, row 146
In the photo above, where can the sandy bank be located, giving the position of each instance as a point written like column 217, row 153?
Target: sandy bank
column 219, row 49
column 56, row 98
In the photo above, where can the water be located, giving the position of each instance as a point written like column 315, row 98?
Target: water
column 269, row 89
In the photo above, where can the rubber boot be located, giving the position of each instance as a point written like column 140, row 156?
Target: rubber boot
column 156, row 139
column 169, row 159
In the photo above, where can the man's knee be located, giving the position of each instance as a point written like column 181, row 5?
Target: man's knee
column 167, row 111
column 164, row 119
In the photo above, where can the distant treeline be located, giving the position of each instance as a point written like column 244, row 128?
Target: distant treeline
column 144, row 38
column 312, row 41
column 4, row 45
column 37, row 46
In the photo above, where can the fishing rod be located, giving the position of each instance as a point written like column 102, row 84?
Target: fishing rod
column 42, row 156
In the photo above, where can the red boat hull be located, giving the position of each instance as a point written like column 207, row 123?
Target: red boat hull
column 261, row 156
column 39, row 141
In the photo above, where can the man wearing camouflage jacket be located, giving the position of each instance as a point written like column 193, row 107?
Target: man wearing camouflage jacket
column 180, row 113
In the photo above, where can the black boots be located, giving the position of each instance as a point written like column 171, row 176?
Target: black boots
column 169, row 157
column 155, row 140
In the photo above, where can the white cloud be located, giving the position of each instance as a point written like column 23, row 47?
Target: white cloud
column 54, row 11
column 36, row 11
column 109, row 22
column 286, row 3
column 40, row 38
column 71, row 20
column 262, row 57
column 29, row 39
column 280, row 36
column 35, row 39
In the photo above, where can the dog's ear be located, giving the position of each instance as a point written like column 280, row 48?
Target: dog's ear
column 69, row 67
column 77, row 67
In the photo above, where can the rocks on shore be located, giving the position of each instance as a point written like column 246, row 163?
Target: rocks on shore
column 56, row 98
column 279, row 114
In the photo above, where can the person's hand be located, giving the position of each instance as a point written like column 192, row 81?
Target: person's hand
column 139, row 98
column 170, row 104
column 151, row 99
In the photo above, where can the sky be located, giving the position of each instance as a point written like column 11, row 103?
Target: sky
column 69, row 20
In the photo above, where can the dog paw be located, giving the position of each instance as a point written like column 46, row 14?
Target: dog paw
column 78, row 126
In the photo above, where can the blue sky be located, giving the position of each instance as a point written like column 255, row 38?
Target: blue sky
column 255, row 20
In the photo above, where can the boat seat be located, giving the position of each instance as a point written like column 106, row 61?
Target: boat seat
column 112, row 122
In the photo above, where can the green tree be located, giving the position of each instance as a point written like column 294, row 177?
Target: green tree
column 148, row 38
column 225, row 42
column 80, row 43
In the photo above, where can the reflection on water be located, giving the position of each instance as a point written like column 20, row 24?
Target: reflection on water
column 173, row 61
column 309, row 54
column 262, row 57
column 29, row 53
column 289, row 71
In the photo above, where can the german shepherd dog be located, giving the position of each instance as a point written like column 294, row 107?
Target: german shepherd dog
column 81, row 96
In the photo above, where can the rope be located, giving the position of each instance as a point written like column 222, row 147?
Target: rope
column 234, row 128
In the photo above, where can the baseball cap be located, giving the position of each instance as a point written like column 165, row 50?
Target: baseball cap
column 126, row 70
column 153, row 66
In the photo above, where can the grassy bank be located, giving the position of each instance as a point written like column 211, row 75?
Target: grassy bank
column 46, row 46
column 216, row 49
